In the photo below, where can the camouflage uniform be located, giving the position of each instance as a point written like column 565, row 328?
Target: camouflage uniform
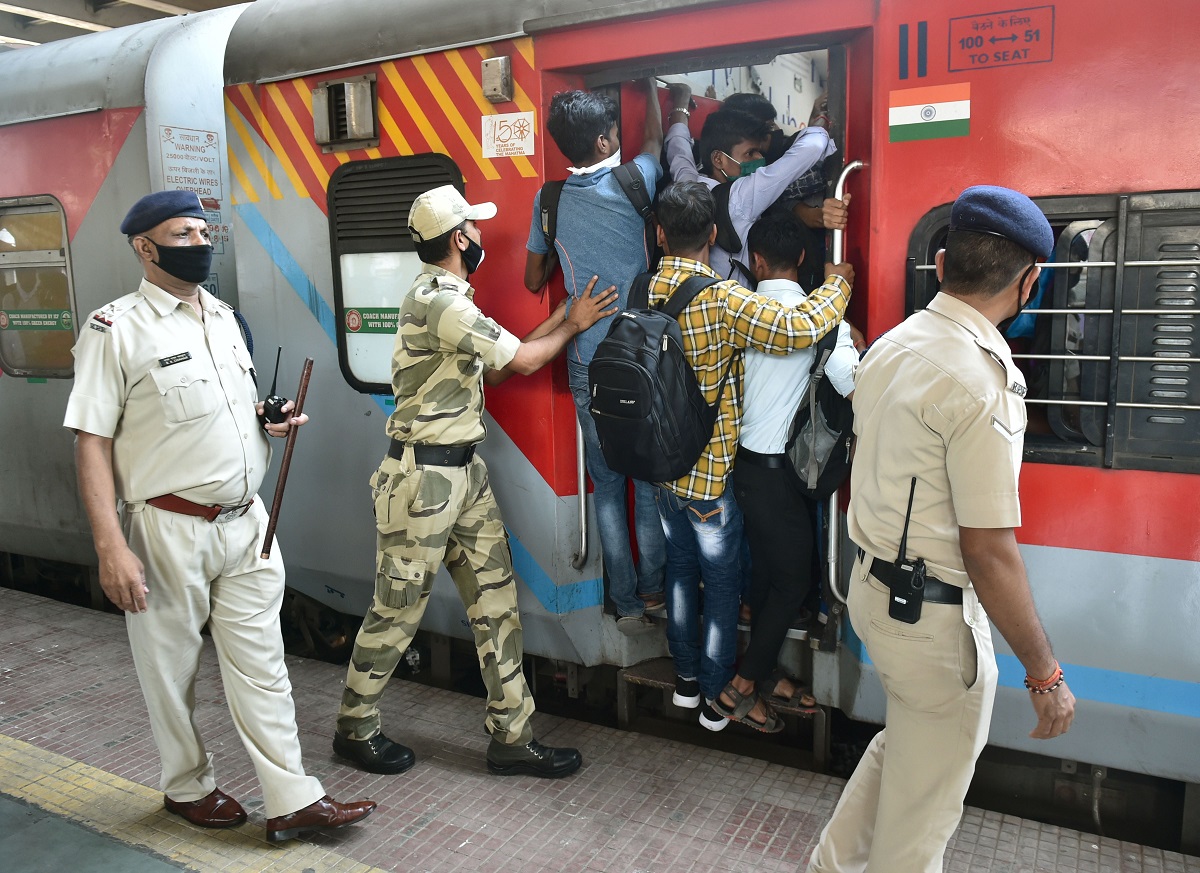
column 426, row 515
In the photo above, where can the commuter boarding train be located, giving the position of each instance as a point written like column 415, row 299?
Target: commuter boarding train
column 308, row 127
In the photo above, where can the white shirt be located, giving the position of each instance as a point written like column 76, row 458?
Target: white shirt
column 776, row 384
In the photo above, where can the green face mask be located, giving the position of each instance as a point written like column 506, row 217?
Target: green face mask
column 748, row 167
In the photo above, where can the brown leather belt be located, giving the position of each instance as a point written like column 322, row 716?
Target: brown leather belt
column 434, row 456
column 173, row 503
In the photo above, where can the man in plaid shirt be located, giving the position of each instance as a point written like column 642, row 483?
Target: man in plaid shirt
column 700, row 518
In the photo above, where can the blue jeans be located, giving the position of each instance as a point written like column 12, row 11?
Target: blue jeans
column 704, row 540
column 624, row 582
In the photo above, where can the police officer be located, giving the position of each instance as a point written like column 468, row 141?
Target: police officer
column 433, row 502
column 938, row 402
column 166, row 421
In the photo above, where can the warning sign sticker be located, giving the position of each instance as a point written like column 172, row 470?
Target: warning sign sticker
column 1001, row 39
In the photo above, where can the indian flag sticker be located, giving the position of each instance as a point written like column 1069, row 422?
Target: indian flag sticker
column 935, row 112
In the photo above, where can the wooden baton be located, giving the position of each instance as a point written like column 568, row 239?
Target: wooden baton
column 277, row 503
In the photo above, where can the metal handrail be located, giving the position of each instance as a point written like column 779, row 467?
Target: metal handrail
column 580, row 557
column 833, row 544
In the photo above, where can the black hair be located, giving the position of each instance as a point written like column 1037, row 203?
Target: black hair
column 576, row 119
column 754, row 104
column 778, row 239
column 686, row 212
column 436, row 250
column 982, row 264
column 725, row 128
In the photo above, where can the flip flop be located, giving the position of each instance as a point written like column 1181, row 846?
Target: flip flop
column 740, row 711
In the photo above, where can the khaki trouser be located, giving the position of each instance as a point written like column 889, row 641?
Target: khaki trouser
column 424, row 516
column 901, row 806
column 199, row 572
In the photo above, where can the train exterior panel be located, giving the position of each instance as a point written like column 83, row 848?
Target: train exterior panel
column 1058, row 100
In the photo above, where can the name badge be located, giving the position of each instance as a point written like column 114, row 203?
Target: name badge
column 175, row 359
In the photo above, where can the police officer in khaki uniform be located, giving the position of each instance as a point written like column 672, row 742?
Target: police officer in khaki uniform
column 938, row 400
column 166, row 420
column 433, row 502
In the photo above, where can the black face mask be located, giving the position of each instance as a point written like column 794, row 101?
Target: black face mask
column 473, row 256
column 1004, row 325
column 186, row 263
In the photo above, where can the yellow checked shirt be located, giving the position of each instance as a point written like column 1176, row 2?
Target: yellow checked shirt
column 724, row 319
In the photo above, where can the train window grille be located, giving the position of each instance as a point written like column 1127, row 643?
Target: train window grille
column 37, row 312
column 1113, row 363
column 374, row 260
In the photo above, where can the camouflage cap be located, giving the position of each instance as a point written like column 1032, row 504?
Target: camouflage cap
column 440, row 210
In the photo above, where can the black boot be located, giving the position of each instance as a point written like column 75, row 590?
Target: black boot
column 376, row 755
column 532, row 759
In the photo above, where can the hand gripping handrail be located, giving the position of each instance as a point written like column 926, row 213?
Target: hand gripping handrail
column 833, row 545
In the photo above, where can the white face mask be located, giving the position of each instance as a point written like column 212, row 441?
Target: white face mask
column 610, row 163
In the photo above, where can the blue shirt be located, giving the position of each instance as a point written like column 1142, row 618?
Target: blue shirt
column 599, row 233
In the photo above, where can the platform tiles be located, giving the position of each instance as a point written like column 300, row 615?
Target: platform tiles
column 74, row 741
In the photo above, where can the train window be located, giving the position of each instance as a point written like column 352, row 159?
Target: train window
column 37, row 322
column 373, row 255
column 1105, row 390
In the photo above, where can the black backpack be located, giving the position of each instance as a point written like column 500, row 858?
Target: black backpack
column 629, row 177
column 648, row 408
column 818, row 446
column 728, row 239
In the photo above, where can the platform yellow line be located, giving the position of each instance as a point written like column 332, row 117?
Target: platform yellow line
column 133, row 814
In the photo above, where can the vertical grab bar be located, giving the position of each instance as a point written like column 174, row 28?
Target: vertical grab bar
column 833, row 544
column 580, row 557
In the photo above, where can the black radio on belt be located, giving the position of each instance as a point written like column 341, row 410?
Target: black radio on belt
column 907, row 578
column 273, row 405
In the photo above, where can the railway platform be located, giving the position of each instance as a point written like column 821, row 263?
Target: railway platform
column 79, row 773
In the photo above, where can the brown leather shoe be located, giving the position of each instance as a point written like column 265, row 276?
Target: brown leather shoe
column 324, row 815
column 217, row 810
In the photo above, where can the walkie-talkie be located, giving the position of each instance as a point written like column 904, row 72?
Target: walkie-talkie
column 907, row 577
column 273, row 405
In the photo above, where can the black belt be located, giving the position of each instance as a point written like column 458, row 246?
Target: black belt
column 434, row 456
column 771, row 462
column 936, row 591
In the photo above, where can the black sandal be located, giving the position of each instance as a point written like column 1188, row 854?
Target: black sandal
column 742, row 706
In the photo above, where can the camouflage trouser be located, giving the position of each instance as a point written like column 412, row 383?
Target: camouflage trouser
column 424, row 516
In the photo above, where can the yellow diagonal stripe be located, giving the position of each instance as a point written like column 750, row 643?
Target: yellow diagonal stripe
column 485, row 108
column 389, row 126
column 524, row 45
column 414, row 109
column 299, row 134
column 134, row 814
column 235, row 167
column 243, row 133
column 468, row 138
column 272, row 140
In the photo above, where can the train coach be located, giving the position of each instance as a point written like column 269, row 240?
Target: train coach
column 308, row 128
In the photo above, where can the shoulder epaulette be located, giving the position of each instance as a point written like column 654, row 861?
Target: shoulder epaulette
column 102, row 319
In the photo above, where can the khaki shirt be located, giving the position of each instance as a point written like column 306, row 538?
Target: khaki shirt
column 442, row 346
column 176, row 396
column 938, row 398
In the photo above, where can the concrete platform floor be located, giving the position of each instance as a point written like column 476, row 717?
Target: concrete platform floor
column 75, row 744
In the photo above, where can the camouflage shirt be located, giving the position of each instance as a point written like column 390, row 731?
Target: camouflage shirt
column 443, row 344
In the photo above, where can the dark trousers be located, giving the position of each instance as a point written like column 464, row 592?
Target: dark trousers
column 779, row 529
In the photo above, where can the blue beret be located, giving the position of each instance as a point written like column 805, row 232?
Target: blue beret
column 153, row 209
column 1003, row 212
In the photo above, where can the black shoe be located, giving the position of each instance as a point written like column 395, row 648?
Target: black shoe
column 687, row 693
column 376, row 755
column 532, row 759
